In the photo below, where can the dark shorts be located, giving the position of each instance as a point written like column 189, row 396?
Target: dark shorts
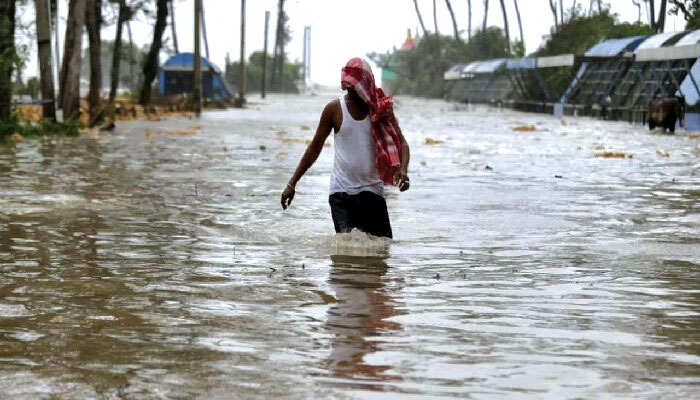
column 365, row 211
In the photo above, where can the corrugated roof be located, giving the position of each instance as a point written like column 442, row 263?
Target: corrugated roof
column 489, row 66
column 692, row 37
column 656, row 41
column 471, row 67
column 688, row 88
column 522, row 63
column 614, row 47
column 185, row 62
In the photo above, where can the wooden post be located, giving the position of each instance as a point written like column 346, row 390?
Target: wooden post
column 241, row 67
column 43, row 36
column 197, row 86
column 263, row 84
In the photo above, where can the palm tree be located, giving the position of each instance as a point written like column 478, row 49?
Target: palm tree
column 486, row 14
column 553, row 7
column 420, row 18
column 505, row 24
column 520, row 25
column 437, row 33
column 469, row 32
column 454, row 21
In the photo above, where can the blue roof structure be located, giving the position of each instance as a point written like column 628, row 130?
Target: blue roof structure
column 177, row 77
column 615, row 47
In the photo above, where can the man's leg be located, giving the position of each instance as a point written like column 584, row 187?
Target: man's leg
column 341, row 205
column 372, row 215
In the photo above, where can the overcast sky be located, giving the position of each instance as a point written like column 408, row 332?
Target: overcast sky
column 344, row 29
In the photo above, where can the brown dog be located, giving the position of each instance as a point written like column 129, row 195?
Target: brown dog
column 665, row 113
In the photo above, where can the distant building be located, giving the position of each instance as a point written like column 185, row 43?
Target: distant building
column 177, row 77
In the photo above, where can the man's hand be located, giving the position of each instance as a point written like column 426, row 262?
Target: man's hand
column 287, row 196
column 401, row 180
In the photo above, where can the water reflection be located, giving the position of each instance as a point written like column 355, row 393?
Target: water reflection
column 360, row 317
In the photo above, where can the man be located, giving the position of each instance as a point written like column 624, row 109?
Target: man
column 370, row 150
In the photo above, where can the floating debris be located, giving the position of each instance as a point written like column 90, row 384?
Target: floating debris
column 558, row 176
column 16, row 137
column 525, row 128
column 488, row 168
column 613, row 154
column 430, row 140
column 262, row 147
column 663, row 153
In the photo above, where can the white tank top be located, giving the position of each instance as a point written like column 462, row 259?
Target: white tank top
column 355, row 165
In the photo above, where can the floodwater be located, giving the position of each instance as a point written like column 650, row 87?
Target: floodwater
column 156, row 262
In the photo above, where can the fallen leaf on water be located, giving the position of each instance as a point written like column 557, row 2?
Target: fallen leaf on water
column 282, row 154
column 599, row 147
column 16, row 137
column 612, row 154
column 525, row 128
column 694, row 136
column 663, row 153
column 430, row 140
column 195, row 127
column 305, row 128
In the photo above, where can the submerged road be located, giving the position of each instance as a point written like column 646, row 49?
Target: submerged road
column 156, row 262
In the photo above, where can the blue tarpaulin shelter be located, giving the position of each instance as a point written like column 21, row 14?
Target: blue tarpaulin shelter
column 177, row 77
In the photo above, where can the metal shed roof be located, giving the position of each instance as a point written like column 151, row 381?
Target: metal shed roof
column 614, row 47
column 489, row 66
column 656, row 41
column 692, row 37
column 522, row 63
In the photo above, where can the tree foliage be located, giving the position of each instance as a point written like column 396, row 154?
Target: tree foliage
column 581, row 32
column 690, row 10
column 253, row 70
column 419, row 71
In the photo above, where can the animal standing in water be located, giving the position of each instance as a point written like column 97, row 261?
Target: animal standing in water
column 665, row 113
column 370, row 151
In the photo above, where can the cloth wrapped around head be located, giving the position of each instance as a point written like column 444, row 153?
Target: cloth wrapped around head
column 357, row 75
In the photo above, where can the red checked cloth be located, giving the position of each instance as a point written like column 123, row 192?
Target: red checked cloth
column 357, row 75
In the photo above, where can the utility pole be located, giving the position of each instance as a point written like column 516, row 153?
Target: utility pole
column 307, row 68
column 263, row 84
column 197, row 86
column 241, row 67
column 172, row 26
column 43, row 36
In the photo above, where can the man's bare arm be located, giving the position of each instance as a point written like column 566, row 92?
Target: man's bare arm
column 311, row 154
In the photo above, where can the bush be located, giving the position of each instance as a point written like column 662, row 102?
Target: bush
column 42, row 128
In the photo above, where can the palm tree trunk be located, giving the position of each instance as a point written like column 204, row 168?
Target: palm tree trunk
column 454, row 21
column 561, row 12
column 505, row 24
column 661, row 21
column 93, row 16
column 117, row 51
column 553, row 7
column 150, row 66
column 69, row 93
column 469, row 32
column 43, row 37
column 7, row 52
column 420, row 18
column 652, row 14
column 486, row 14
column 172, row 27
column 520, row 25
column 437, row 32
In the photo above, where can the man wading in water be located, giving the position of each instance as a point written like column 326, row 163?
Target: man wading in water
column 370, row 150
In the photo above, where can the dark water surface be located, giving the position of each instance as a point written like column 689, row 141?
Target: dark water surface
column 156, row 262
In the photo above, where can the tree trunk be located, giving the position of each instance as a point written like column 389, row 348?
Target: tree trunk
column 561, row 12
column 420, row 18
column 7, row 56
column 486, row 14
column 661, row 21
column 469, row 7
column 553, row 7
column 172, row 27
column 520, row 26
column 241, row 66
column 124, row 14
column 454, row 20
column 505, row 24
column 204, row 32
column 93, row 16
column 132, row 61
column 150, row 65
column 197, row 65
column 43, row 36
column 652, row 14
column 437, row 32
column 69, row 92
column 279, row 42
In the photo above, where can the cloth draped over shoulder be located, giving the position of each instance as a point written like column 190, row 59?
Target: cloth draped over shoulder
column 357, row 75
